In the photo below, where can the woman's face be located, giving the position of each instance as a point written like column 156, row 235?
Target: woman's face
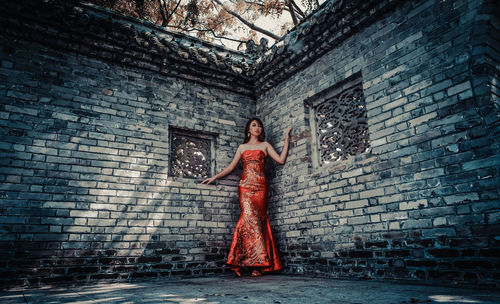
column 255, row 128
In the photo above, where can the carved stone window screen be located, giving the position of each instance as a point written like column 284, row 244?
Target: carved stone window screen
column 191, row 153
column 338, row 122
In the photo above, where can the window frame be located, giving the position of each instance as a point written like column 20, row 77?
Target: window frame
column 195, row 134
column 350, row 83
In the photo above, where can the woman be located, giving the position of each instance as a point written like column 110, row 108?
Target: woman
column 253, row 245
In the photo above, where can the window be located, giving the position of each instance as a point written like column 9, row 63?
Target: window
column 191, row 153
column 338, row 122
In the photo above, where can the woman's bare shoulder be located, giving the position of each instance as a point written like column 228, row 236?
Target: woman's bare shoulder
column 241, row 148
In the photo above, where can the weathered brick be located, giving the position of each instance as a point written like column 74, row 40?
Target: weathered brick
column 458, row 88
column 127, row 173
column 422, row 119
column 82, row 213
column 460, row 198
column 422, row 203
column 86, row 171
column 481, row 163
column 418, row 86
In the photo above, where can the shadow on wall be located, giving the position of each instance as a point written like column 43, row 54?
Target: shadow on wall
column 85, row 194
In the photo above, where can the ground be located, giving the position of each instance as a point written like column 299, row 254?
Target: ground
column 267, row 289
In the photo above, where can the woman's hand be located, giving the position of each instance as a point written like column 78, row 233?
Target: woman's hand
column 208, row 180
column 287, row 132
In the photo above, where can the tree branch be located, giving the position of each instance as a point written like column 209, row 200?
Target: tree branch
column 206, row 30
column 174, row 10
column 297, row 8
column 163, row 12
column 247, row 23
column 250, row 3
column 292, row 13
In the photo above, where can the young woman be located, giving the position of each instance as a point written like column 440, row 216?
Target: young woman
column 253, row 245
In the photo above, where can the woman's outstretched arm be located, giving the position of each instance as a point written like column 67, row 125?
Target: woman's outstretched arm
column 226, row 170
column 280, row 158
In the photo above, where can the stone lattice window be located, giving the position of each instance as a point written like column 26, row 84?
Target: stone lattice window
column 191, row 154
column 338, row 121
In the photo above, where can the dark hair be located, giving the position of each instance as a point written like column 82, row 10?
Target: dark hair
column 262, row 135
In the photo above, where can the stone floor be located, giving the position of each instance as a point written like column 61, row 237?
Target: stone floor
column 267, row 289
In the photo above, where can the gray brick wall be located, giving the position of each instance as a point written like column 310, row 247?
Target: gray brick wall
column 85, row 193
column 85, row 190
column 423, row 204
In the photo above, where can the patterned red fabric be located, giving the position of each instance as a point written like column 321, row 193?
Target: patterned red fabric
column 253, row 244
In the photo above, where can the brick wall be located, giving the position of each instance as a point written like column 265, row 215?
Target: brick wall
column 423, row 204
column 84, row 153
column 85, row 109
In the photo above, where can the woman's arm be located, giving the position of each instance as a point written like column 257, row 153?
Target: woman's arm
column 280, row 158
column 226, row 170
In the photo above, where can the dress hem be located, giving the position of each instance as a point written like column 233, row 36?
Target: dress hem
column 265, row 268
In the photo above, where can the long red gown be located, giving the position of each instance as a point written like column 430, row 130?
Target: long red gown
column 253, row 244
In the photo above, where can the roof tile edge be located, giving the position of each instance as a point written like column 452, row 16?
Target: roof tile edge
column 126, row 40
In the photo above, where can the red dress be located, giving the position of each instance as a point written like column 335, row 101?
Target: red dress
column 253, row 244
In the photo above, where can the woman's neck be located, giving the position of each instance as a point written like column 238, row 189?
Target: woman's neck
column 253, row 141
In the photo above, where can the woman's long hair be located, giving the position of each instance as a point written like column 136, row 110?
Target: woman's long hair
column 262, row 135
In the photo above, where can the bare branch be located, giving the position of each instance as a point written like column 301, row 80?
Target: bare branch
column 247, row 23
column 297, row 8
column 206, row 30
column 292, row 13
column 163, row 13
column 250, row 3
column 174, row 10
